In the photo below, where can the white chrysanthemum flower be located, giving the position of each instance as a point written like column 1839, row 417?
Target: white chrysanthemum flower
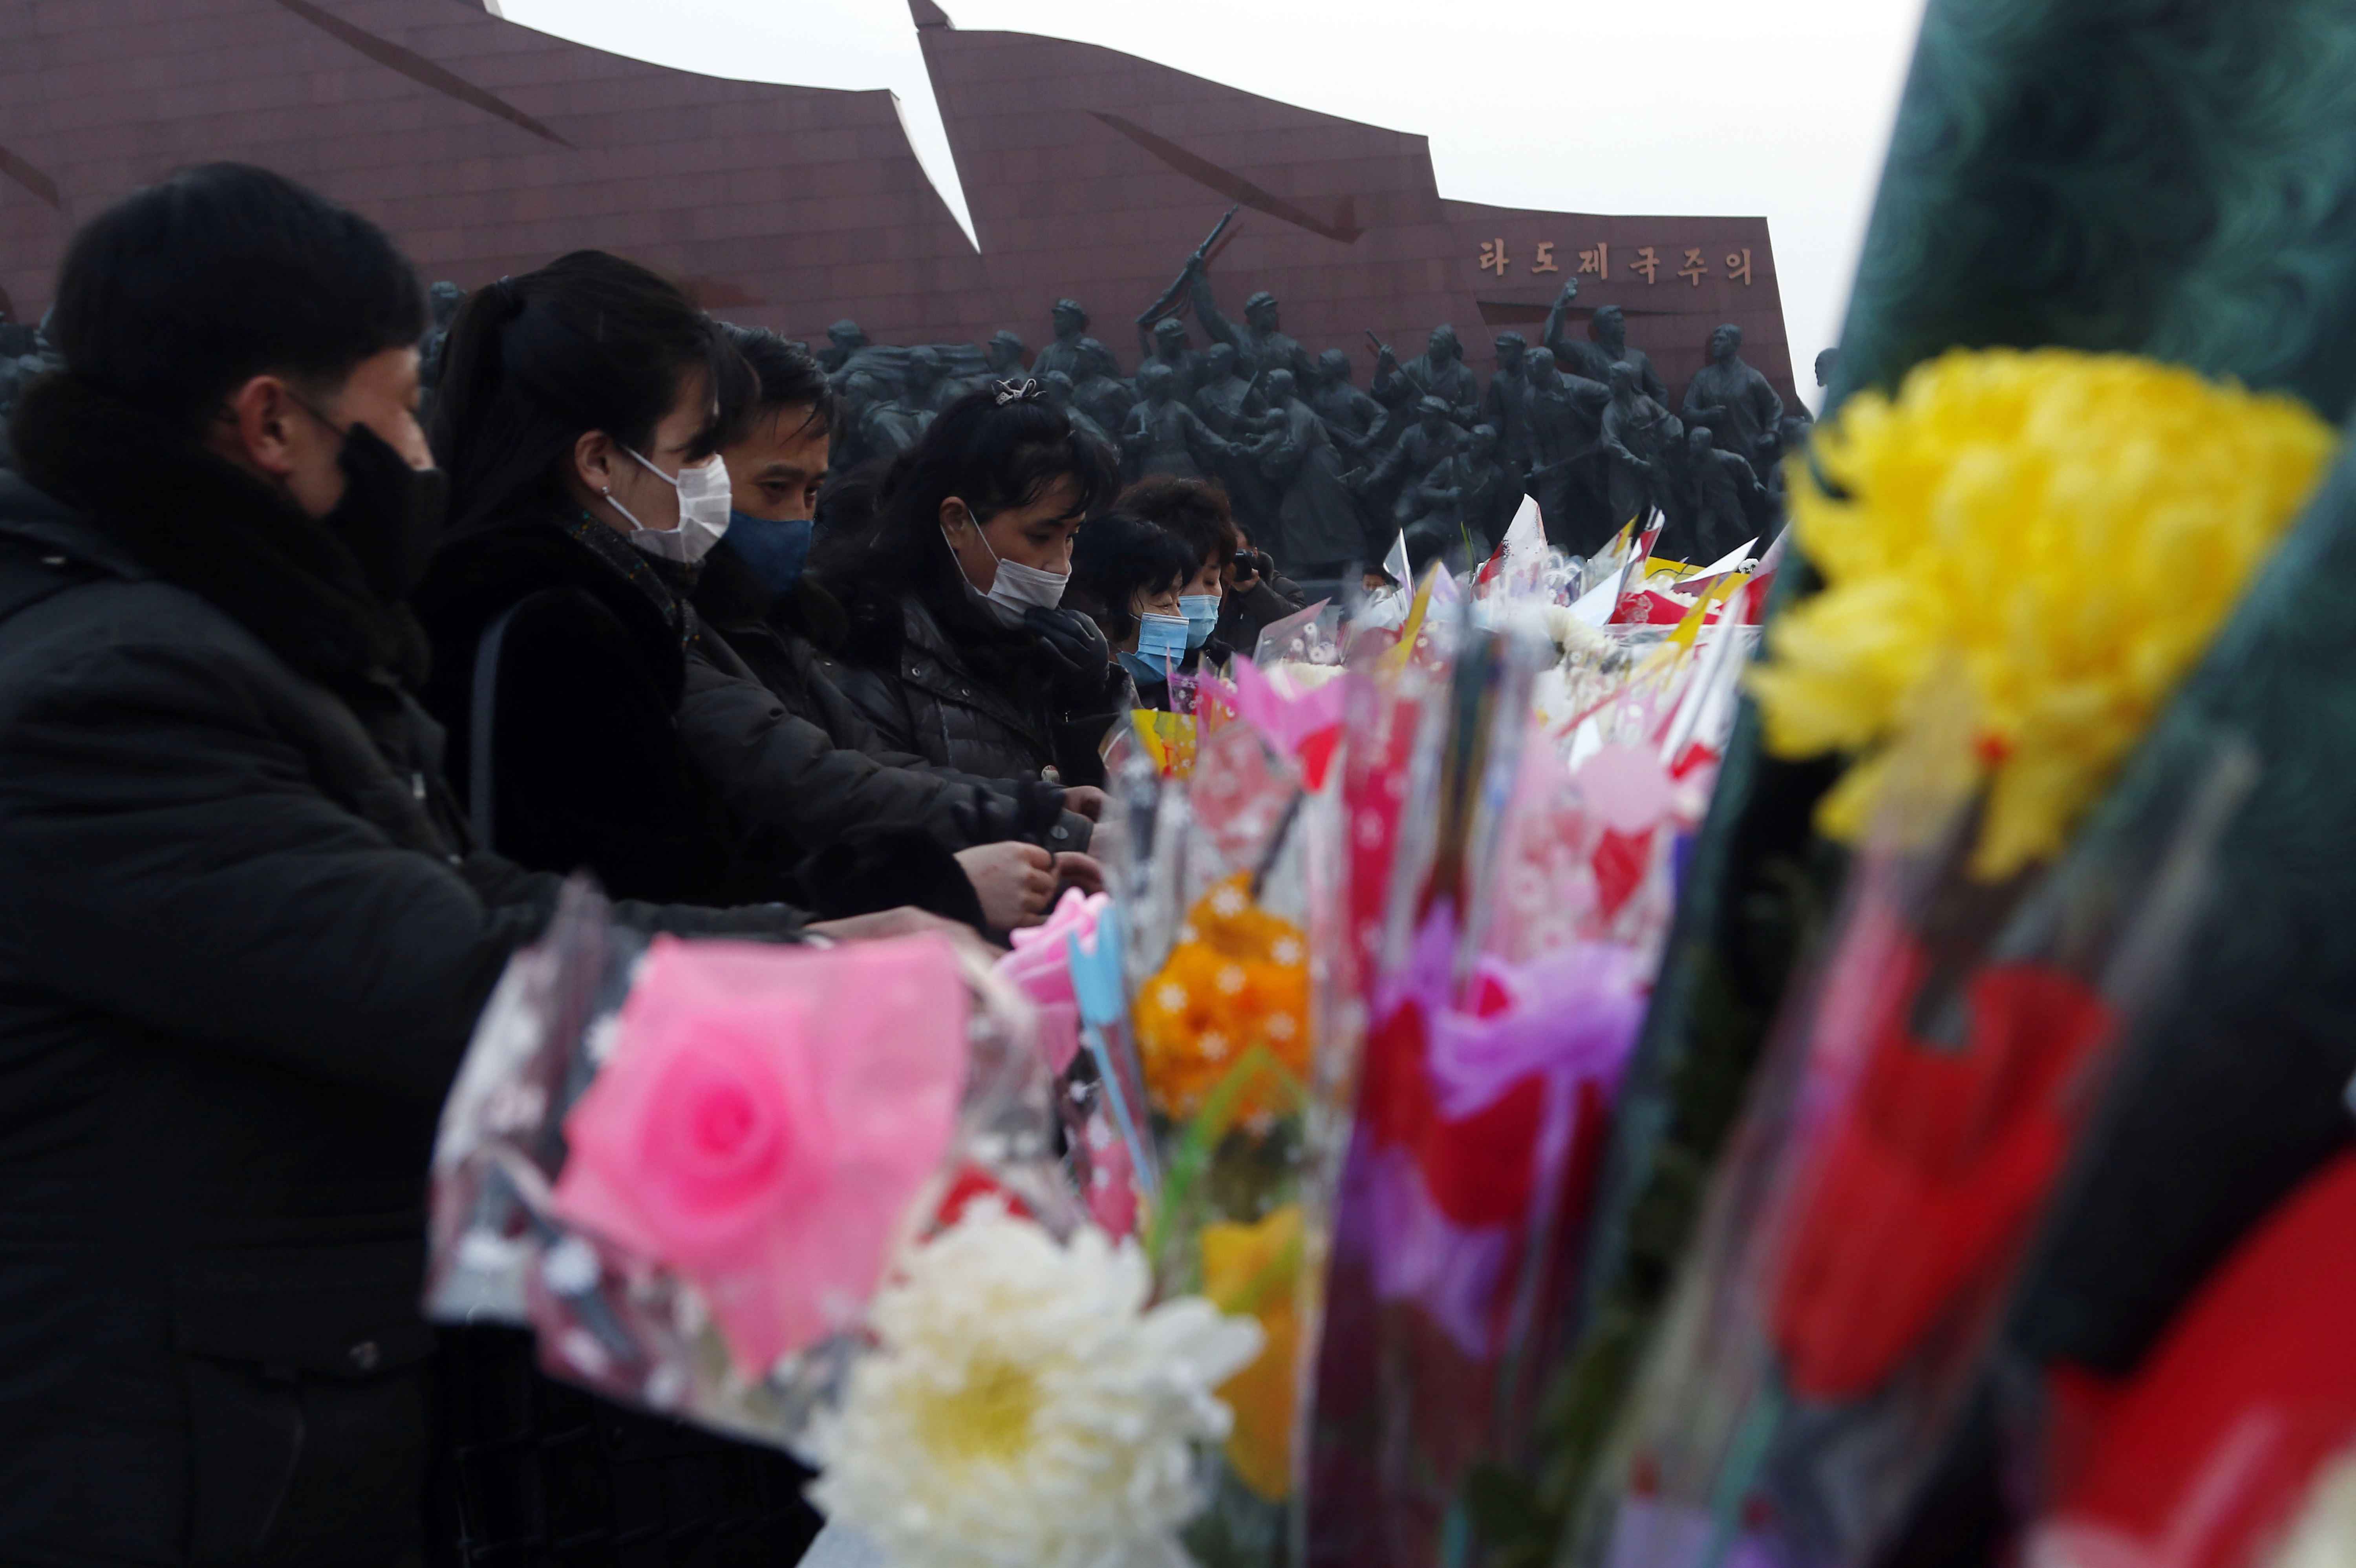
column 1022, row 1408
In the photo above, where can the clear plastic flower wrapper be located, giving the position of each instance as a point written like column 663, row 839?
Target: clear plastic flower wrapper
column 1218, row 886
column 1510, row 874
column 1916, row 1110
column 688, row 1165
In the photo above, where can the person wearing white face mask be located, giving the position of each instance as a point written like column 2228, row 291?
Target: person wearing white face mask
column 596, row 720
column 962, row 648
column 705, row 500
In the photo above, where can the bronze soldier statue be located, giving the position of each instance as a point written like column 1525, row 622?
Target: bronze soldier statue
column 1734, row 400
column 1505, row 405
column 1725, row 490
column 1165, row 435
column 1316, row 529
column 843, row 339
column 1167, row 344
column 1421, row 448
column 1637, row 432
column 1260, row 343
column 1464, row 502
column 1594, row 359
column 1228, row 403
column 1438, row 372
column 1351, row 414
column 1073, row 351
column 1568, row 477
column 1059, row 392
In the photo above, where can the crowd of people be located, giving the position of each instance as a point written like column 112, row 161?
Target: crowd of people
column 307, row 708
column 1322, row 473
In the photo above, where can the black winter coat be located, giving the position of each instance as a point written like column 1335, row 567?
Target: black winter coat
column 963, row 689
column 1244, row 617
column 243, row 942
column 786, row 640
column 629, row 737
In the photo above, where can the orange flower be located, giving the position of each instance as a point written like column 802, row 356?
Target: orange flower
column 1237, row 979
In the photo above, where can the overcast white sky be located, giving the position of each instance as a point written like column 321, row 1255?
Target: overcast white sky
column 1738, row 107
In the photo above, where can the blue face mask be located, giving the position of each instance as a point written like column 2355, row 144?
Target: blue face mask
column 1161, row 644
column 776, row 550
column 1201, row 614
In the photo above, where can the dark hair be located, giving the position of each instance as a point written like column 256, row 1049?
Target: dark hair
column 181, row 292
column 1117, row 557
column 846, row 502
column 588, row 342
column 1196, row 510
column 787, row 377
column 993, row 456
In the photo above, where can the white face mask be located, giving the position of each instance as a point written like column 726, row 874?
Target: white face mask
column 705, row 500
column 1017, row 586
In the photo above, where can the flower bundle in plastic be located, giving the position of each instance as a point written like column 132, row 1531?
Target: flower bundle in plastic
column 1514, row 804
column 1926, row 1092
column 811, row 1196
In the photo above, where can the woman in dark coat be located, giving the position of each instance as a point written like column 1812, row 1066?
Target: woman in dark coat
column 596, row 720
column 959, row 648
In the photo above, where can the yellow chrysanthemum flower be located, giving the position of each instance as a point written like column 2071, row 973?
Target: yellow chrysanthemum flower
column 2068, row 529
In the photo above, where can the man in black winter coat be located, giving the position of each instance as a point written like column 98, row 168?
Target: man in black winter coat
column 244, row 937
column 1020, row 838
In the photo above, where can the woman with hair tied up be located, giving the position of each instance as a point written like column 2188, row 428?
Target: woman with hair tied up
column 596, row 720
column 960, row 648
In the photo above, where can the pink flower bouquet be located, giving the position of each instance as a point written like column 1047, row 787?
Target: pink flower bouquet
column 688, row 1165
column 765, row 1122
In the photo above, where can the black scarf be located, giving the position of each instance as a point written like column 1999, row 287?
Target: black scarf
column 200, row 522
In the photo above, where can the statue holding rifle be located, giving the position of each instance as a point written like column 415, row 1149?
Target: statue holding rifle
column 1260, row 343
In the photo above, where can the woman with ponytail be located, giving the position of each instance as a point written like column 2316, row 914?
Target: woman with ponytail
column 960, row 648
column 596, row 720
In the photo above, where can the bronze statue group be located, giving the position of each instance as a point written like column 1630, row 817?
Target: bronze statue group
column 1322, row 472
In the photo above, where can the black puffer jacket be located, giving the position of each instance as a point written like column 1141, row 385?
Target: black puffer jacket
column 963, row 689
column 242, row 942
column 629, row 737
column 784, row 640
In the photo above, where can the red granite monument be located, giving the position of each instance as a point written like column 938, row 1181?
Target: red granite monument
column 487, row 148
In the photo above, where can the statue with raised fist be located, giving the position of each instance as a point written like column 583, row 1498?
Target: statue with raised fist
column 1260, row 343
column 1566, row 473
column 1593, row 357
column 1440, row 371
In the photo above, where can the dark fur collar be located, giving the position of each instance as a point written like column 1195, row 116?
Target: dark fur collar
column 494, row 566
column 203, row 524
